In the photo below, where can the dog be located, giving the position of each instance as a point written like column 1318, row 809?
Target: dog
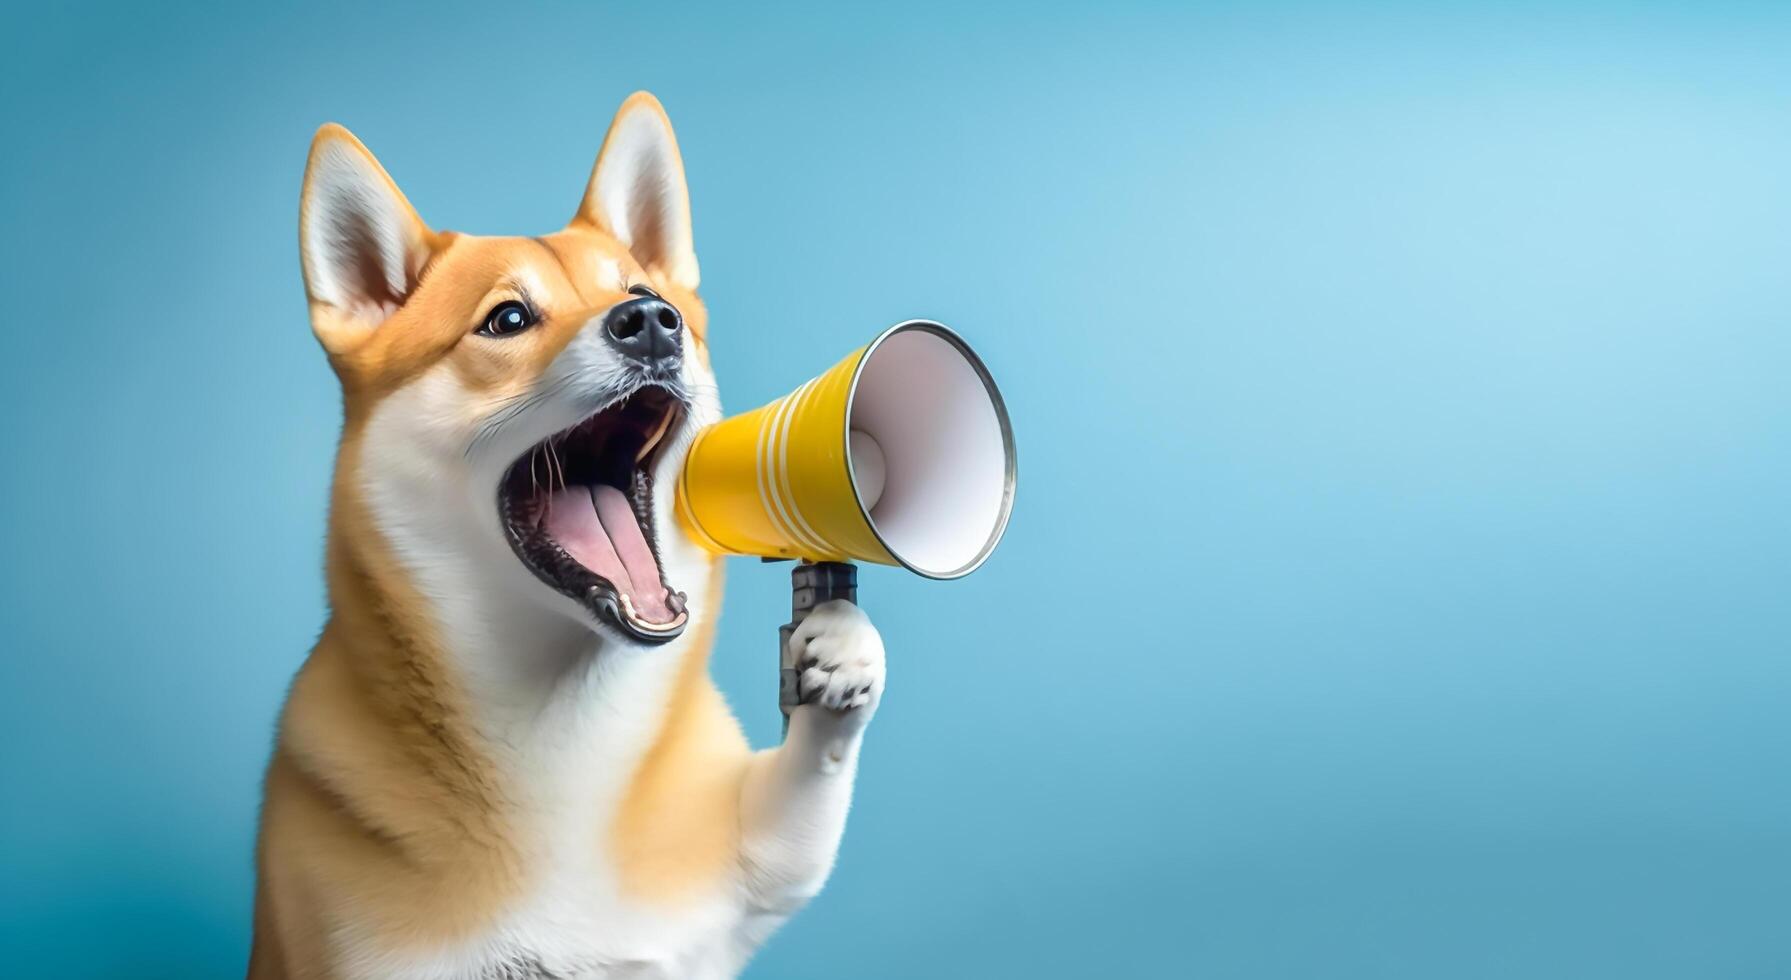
column 505, row 757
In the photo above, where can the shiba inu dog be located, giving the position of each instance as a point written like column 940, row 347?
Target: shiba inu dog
column 504, row 758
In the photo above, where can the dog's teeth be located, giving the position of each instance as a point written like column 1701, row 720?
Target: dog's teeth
column 653, row 440
column 634, row 614
column 635, row 617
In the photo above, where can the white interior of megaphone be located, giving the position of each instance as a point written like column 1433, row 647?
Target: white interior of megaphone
column 931, row 453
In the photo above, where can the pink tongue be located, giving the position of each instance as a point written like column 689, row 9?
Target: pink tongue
column 597, row 527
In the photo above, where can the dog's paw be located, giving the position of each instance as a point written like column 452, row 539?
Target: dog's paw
column 839, row 655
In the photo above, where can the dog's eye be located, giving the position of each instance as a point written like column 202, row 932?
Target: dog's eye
column 506, row 319
column 640, row 290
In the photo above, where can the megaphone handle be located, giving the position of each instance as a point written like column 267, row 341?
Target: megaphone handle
column 811, row 583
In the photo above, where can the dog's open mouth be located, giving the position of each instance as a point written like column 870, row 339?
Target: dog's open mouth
column 578, row 511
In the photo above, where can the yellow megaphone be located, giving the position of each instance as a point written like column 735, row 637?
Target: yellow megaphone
column 900, row 454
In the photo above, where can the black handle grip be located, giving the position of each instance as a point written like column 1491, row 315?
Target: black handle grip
column 811, row 583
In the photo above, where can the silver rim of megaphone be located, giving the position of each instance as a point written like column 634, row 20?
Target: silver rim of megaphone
column 1007, row 444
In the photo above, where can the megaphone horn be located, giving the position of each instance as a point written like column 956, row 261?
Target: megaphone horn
column 900, row 454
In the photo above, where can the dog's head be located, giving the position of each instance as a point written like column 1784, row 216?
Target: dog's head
column 517, row 408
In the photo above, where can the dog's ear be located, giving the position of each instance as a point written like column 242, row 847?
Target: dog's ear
column 637, row 191
column 362, row 245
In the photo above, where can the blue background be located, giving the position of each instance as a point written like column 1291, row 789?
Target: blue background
column 1398, row 583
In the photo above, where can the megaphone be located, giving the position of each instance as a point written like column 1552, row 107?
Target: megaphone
column 900, row 454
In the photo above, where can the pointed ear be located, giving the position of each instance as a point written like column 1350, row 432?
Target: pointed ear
column 362, row 245
column 637, row 191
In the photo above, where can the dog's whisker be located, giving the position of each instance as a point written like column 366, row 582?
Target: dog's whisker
column 515, row 406
column 559, row 466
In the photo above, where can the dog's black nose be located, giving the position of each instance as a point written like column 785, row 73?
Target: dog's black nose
column 647, row 329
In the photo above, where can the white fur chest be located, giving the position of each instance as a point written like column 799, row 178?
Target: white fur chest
column 567, row 930
column 574, row 919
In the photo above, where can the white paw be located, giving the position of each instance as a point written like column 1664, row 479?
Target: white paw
column 840, row 656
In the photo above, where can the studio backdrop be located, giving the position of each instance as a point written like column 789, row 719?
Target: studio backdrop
column 1396, row 585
